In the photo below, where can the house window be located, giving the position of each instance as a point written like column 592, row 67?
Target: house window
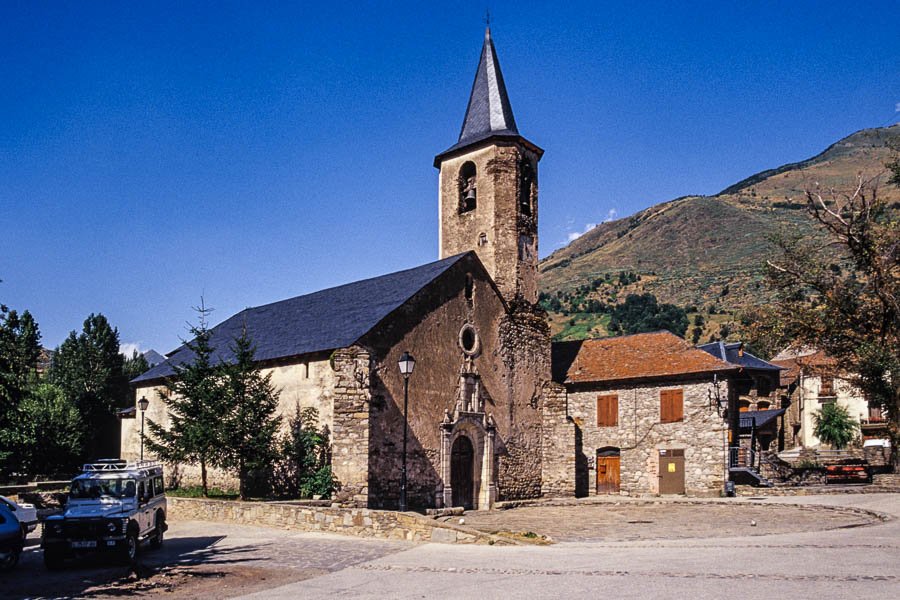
column 607, row 410
column 743, row 405
column 827, row 388
column 671, row 406
column 763, row 405
column 470, row 285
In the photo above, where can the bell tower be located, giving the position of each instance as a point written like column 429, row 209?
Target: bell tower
column 488, row 196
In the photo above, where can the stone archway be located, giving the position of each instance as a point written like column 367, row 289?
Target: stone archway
column 467, row 462
column 462, row 472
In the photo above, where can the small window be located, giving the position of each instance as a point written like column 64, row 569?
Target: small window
column 158, row 484
column 470, row 286
column 743, row 405
column 671, row 406
column 827, row 388
column 467, row 188
column 305, row 370
column 482, row 239
column 526, row 179
column 762, row 405
column 607, row 410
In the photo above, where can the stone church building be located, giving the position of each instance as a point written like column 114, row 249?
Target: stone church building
column 485, row 420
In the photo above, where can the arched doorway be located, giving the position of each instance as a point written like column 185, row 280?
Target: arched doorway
column 462, row 470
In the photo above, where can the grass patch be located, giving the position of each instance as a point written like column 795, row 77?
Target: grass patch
column 194, row 492
column 529, row 537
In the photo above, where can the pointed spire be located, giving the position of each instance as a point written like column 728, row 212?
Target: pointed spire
column 489, row 111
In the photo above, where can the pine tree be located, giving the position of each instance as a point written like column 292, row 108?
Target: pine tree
column 250, row 423
column 834, row 425
column 193, row 398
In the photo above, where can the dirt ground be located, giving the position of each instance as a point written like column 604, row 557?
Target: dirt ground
column 198, row 560
column 635, row 520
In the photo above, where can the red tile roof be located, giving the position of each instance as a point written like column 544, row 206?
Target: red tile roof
column 639, row 356
column 814, row 363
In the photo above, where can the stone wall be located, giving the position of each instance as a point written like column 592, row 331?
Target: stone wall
column 524, row 340
column 509, row 248
column 558, row 444
column 360, row 522
column 302, row 382
column 350, row 440
column 639, row 435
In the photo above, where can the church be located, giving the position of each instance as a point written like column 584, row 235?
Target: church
column 486, row 422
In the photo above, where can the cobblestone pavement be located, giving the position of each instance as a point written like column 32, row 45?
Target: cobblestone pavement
column 629, row 520
column 855, row 562
column 212, row 560
column 198, row 559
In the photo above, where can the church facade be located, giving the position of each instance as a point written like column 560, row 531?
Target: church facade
column 485, row 420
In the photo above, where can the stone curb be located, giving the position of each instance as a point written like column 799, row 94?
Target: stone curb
column 618, row 501
column 358, row 522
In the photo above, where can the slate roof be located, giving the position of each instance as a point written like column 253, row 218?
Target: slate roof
column 734, row 354
column 640, row 356
column 489, row 112
column 759, row 417
column 331, row 318
column 153, row 357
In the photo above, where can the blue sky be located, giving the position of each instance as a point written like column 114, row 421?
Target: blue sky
column 154, row 153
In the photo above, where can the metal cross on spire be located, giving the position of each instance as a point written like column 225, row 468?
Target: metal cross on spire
column 487, row 17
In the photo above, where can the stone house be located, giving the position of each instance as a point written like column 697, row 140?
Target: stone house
column 810, row 380
column 648, row 411
column 476, row 397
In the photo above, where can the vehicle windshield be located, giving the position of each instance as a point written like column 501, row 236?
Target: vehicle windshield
column 95, row 488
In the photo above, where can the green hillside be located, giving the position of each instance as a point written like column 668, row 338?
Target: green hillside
column 701, row 252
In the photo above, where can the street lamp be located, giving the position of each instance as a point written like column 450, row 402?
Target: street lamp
column 407, row 364
column 143, row 403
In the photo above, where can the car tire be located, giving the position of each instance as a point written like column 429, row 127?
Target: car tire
column 129, row 549
column 53, row 559
column 156, row 541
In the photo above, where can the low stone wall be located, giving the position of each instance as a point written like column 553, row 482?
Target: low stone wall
column 360, row 522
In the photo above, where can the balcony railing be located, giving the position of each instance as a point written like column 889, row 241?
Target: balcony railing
column 742, row 458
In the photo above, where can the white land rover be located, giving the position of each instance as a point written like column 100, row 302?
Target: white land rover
column 113, row 505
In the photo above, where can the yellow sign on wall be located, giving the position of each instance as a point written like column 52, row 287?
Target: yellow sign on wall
column 671, row 467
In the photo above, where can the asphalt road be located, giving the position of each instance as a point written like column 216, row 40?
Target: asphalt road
column 857, row 562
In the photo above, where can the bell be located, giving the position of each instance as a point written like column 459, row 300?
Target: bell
column 470, row 195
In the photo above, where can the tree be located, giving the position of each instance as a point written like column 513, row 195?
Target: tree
column 642, row 313
column 834, row 425
column 304, row 465
column 851, row 312
column 250, row 423
column 50, row 433
column 19, row 352
column 89, row 370
column 134, row 366
column 193, row 399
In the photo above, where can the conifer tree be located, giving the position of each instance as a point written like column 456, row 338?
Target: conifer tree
column 250, row 423
column 193, row 399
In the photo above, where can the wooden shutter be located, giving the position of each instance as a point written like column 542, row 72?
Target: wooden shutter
column 671, row 406
column 607, row 410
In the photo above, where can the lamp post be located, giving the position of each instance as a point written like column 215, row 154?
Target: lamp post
column 143, row 403
column 407, row 364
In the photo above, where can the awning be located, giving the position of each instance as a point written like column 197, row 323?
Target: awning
column 759, row 418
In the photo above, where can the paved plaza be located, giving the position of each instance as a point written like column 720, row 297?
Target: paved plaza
column 670, row 550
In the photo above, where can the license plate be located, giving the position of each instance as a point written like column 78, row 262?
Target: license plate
column 86, row 544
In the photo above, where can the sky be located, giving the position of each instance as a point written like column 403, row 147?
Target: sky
column 153, row 154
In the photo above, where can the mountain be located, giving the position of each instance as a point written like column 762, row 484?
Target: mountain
column 705, row 253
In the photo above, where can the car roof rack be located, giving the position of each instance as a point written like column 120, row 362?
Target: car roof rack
column 116, row 464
